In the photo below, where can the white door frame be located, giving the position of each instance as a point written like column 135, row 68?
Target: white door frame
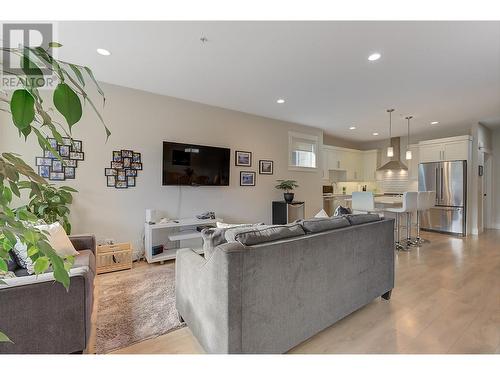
column 487, row 189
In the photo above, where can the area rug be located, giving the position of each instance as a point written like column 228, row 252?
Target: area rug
column 135, row 305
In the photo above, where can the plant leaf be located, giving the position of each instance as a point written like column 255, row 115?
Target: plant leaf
column 22, row 106
column 4, row 338
column 55, row 45
column 3, row 265
column 68, row 103
column 78, row 74
column 41, row 265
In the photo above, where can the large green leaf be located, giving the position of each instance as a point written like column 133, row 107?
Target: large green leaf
column 68, row 103
column 3, row 265
column 4, row 337
column 22, row 107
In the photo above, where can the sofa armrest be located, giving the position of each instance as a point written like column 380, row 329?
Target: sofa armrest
column 83, row 242
column 41, row 317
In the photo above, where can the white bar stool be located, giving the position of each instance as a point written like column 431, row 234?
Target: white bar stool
column 425, row 200
column 409, row 205
column 363, row 202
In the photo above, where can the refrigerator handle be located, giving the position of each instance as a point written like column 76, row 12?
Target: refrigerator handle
column 437, row 185
column 441, row 187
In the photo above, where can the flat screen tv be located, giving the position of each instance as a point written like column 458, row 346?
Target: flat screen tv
column 195, row 165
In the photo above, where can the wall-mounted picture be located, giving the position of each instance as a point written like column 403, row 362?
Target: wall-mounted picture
column 247, row 178
column 111, row 181
column 126, row 162
column 131, row 172
column 57, row 165
column 110, row 172
column 137, row 166
column 117, row 164
column 117, row 156
column 131, row 181
column 243, row 158
column 69, row 150
column 56, row 176
column 120, row 176
column 121, row 185
column 76, row 155
column 64, row 151
column 266, row 167
column 44, row 171
column 127, row 154
column 137, row 157
column 69, row 172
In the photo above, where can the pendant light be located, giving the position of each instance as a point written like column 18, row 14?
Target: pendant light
column 390, row 149
column 408, row 151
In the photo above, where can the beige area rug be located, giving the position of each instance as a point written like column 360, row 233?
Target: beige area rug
column 135, row 305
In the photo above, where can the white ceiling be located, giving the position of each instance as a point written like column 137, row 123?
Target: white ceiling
column 436, row 71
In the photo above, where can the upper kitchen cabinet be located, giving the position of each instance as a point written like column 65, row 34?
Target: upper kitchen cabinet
column 445, row 149
column 357, row 165
column 370, row 158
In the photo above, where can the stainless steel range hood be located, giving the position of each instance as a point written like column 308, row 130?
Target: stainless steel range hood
column 395, row 163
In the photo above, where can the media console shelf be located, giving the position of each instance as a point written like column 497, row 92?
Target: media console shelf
column 170, row 234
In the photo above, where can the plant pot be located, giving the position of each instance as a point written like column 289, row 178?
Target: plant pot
column 288, row 197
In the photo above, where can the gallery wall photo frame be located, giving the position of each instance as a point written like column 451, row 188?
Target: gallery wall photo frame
column 63, row 166
column 247, row 178
column 123, row 170
column 266, row 167
column 242, row 158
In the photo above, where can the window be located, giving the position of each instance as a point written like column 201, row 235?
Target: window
column 302, row 150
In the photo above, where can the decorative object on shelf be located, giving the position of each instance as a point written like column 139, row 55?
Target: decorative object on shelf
column 243, row 159
column 266, row 167
column 206, row 215
column 123, row 171
column 408, row 151
column 51, row 167
column 247, row 178
column 287, row 186
column 390, row 149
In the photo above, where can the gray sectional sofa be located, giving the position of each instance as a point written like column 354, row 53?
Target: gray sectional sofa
column 40, row 316
column 267, row 289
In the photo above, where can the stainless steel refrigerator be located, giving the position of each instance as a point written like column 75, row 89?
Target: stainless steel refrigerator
column 449, row 180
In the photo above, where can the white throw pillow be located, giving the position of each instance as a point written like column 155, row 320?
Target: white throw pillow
column 321, row 214
column 58, row 239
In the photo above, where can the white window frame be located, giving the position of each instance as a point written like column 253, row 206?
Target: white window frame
column 314, row 138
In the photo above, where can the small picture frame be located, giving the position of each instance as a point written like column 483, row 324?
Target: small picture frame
column 243, row 158
column 121, row 184
column 44, row 171
column 49, row 155
column 52, row 142
column 76, row 155
column 136, row 158
column 64, row 151
column 120, row 176
column 127, row 154
column 131, row 181
column 247, row 178
column 57, row 166
column 69, row 173
column 43, row 161
column 111, row 181
column 56, row 176
column 117, row 156
column 137, row 166
column 76, row 146
column 66, row 141
column 266, row 167
column 70, row 163
column 117, row 164
column 131, row 172
column 126, row 162
column 110, row 172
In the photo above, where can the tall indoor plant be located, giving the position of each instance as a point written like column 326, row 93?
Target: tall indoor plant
column 31, row 116
column 287, row 186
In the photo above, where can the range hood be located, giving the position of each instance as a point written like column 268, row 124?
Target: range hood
column 395, row 162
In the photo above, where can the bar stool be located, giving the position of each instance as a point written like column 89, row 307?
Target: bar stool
column 425, row 200
column 363, row 202
column 409, row 205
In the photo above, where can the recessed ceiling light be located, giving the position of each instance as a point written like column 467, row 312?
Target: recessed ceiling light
column 375, row 133
column 104, row 52
column 352, row 128
column 280, row 101
column 434, row 122
column 374, row 56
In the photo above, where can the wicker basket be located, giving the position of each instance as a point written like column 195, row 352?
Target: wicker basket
column 114, row 257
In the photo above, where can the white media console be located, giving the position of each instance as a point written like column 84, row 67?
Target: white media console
column 174, row 235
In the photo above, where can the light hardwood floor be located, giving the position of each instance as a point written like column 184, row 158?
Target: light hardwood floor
column 446, row 300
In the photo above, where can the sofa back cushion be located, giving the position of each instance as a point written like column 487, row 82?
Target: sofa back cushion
column 317, row 225
column 362, row 218
column 264, row 233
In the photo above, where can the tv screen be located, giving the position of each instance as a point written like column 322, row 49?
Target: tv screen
column 186, row 164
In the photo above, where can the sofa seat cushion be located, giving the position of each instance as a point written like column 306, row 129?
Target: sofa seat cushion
column 362, row 218
column 264, row 233
column 317, row 225
column 85, row 258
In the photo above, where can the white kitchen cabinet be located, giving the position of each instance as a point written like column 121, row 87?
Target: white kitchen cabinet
column 358, row 165
column 445, row 149
column 370, row 165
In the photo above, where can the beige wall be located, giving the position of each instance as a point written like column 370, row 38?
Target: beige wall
column 140, row 121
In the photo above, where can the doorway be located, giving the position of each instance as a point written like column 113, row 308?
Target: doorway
column 485, row 191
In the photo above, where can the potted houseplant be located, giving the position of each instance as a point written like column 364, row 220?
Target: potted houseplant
column 287, row 186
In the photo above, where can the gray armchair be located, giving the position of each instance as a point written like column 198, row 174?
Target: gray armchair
column 41, row 317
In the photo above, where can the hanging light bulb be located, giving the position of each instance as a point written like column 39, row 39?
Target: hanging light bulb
column 408, row 151
column 390, row 149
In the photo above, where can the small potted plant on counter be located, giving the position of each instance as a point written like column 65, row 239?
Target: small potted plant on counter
column 287, row 186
